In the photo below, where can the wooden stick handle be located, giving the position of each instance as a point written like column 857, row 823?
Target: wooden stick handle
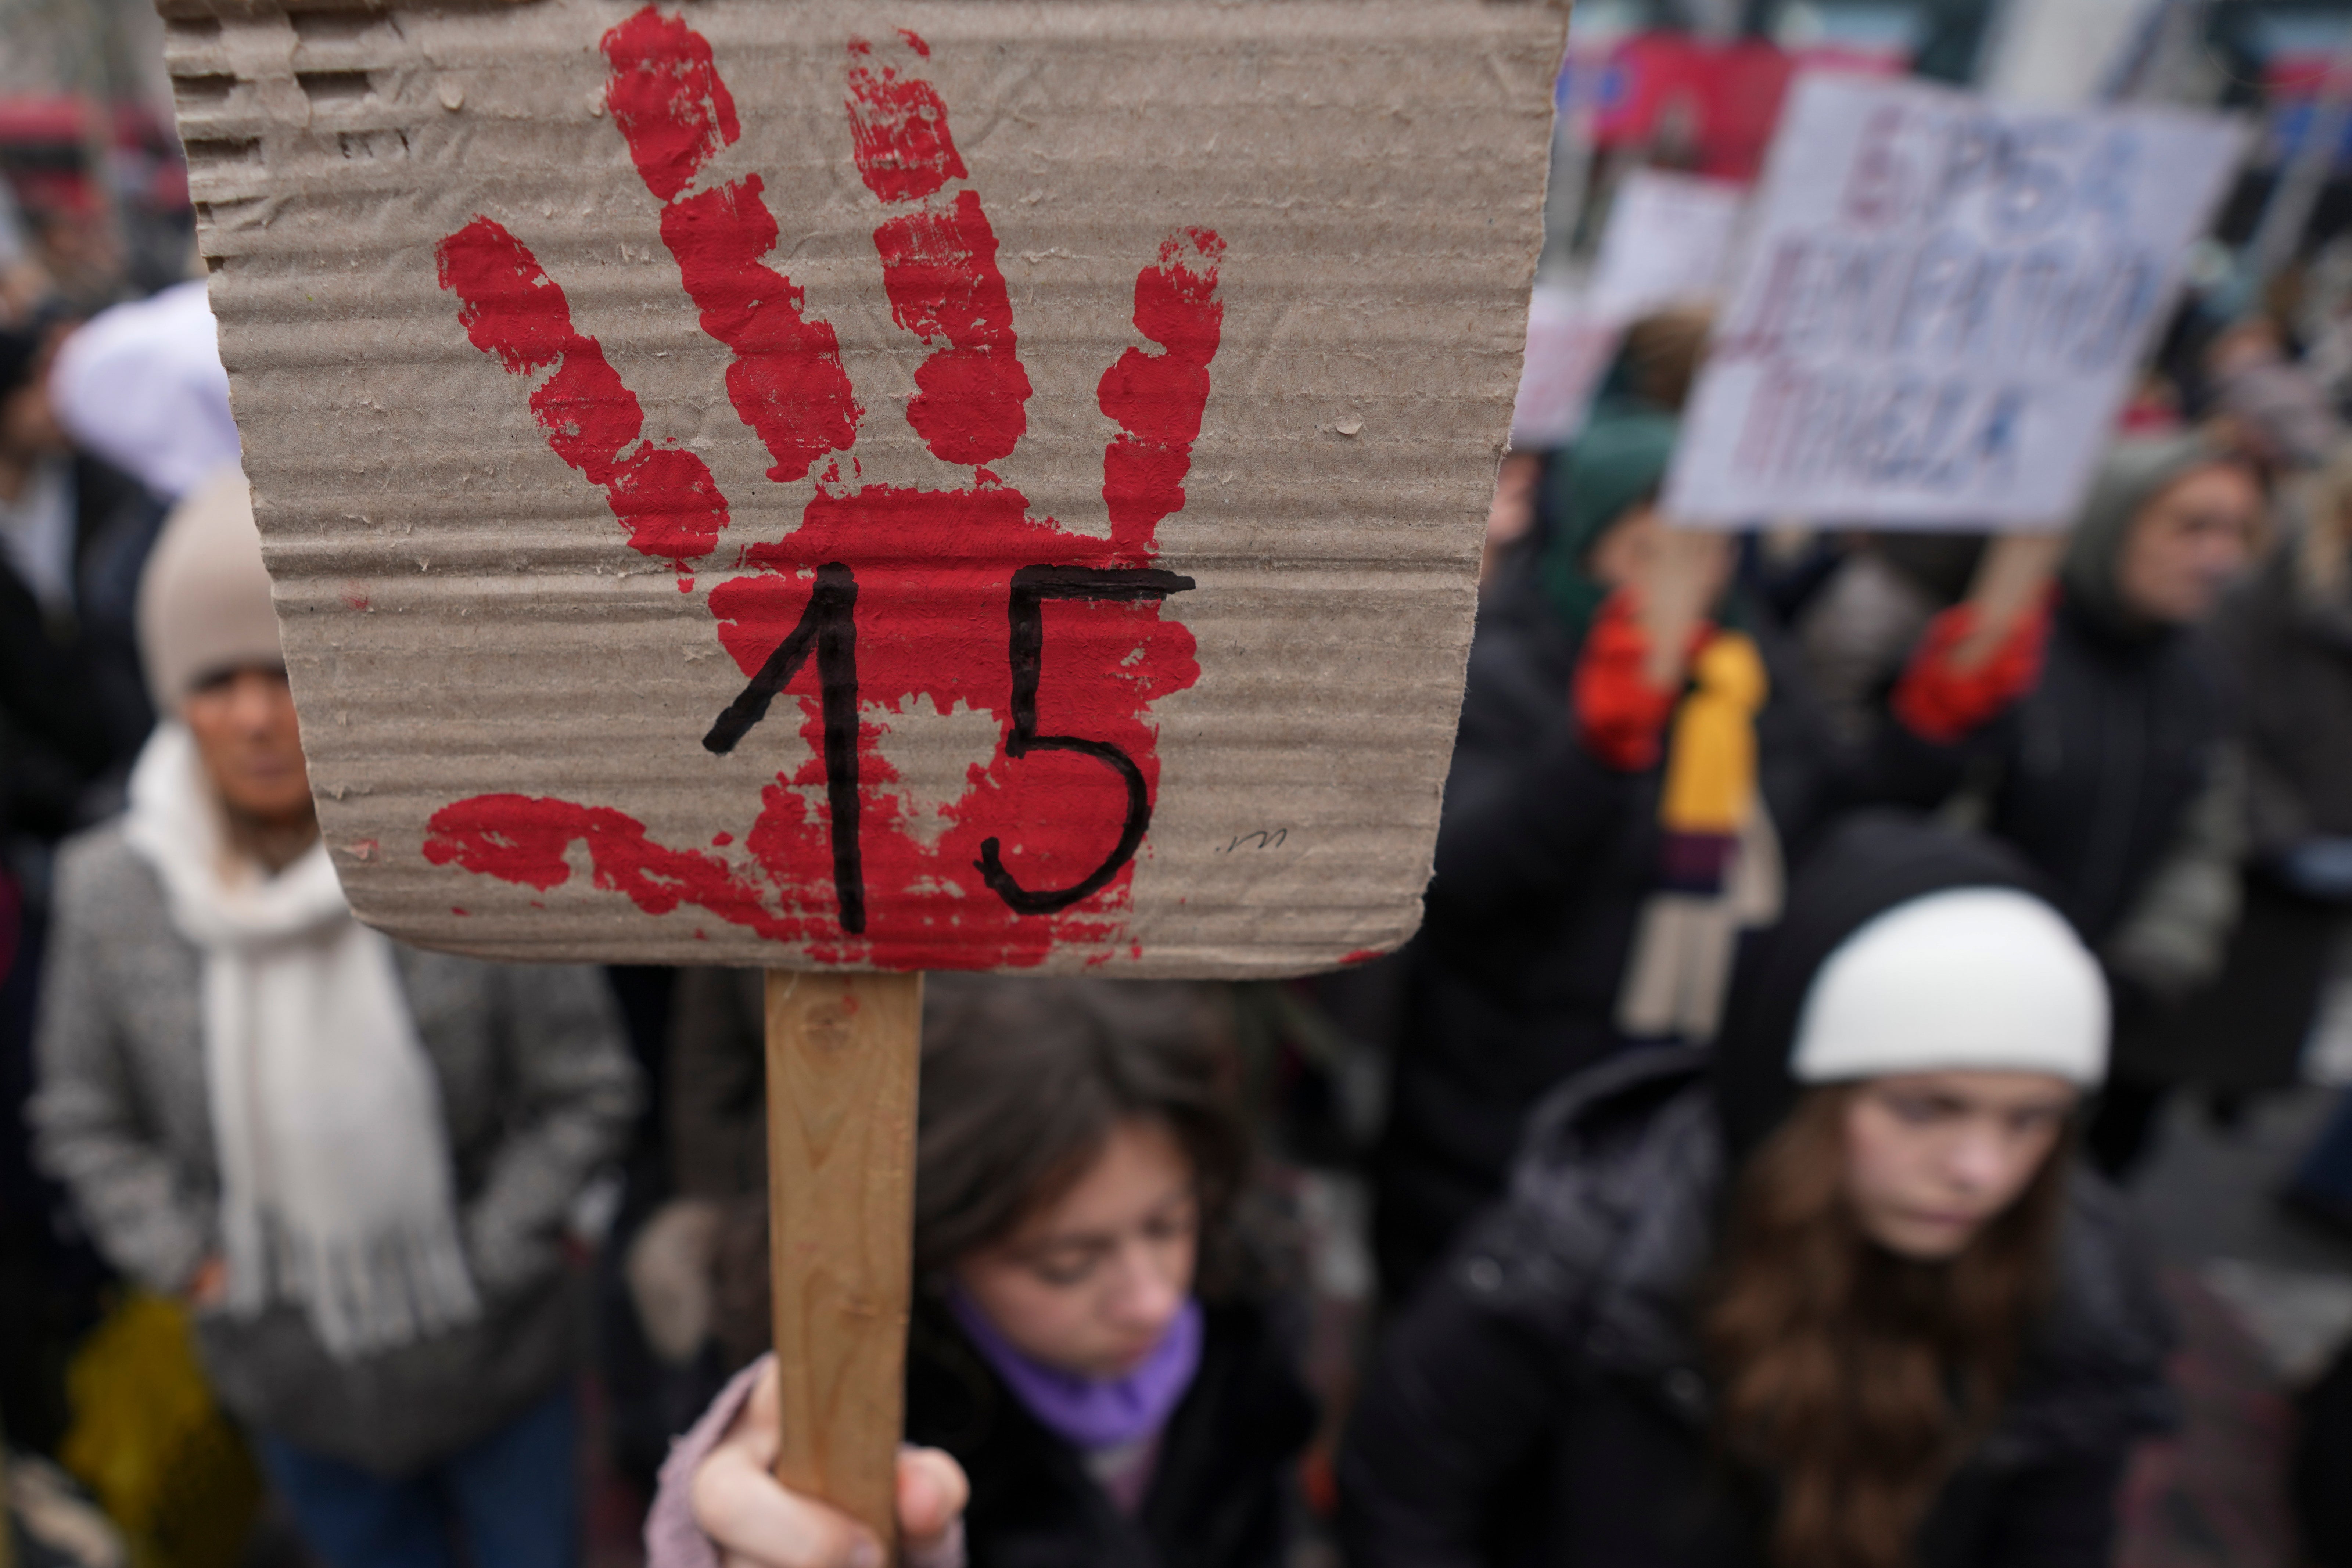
column 843, row 1057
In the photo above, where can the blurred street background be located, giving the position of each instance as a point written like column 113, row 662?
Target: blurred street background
column 1668, row 104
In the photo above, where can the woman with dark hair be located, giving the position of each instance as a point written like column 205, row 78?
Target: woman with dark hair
column 1831, row 1296
column 1084, row 1354
column 1637, row 750
column 2097, row 738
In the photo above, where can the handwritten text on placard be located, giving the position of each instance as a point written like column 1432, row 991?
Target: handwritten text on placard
column 1944, row 305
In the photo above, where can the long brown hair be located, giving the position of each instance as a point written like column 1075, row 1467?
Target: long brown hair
column 1853, row 1379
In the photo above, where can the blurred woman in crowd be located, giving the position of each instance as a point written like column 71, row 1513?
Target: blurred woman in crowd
column 1635, row 748
column 1831, row 1297
column 353, row 1160
column 2287, row 640
column 1090, row 1347
column 2093, row 739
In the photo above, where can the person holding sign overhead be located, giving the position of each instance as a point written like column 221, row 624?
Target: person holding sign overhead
column 1944, row 303
column 2089, row 731
column 1636, row 745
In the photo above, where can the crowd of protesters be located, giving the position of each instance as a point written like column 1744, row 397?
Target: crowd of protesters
column 1762, row 1075
column 1818, row 932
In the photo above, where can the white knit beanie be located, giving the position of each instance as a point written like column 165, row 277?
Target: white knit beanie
column 204, row 599
column 1975, row 978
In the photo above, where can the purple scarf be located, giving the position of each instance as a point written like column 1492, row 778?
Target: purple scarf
column 1087, row 1412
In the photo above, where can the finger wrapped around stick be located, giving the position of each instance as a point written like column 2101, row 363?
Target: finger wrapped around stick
column 755, row 1522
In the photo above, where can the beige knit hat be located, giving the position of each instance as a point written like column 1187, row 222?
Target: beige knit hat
column 203, row 599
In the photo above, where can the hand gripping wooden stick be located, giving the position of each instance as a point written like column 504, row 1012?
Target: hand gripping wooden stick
column 844, row 1059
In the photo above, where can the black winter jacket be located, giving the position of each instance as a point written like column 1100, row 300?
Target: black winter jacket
column 2092, row 772
column 1545, row 858
column 73, row 703
column 2287, row 645
column 1220, row 1495
column 1542, row 1401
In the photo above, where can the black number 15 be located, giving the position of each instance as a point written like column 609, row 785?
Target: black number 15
column 828, row 628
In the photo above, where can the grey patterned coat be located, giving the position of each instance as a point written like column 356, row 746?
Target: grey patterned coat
column 537, row 1091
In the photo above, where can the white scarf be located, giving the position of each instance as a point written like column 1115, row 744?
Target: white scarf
column 335, row 1173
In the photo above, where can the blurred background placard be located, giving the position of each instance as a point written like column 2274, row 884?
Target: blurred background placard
column 1944, row 304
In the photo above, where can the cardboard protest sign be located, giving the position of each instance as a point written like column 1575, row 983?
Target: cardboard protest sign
column 960, row 484
column 1668, row 238
column 1942, row 306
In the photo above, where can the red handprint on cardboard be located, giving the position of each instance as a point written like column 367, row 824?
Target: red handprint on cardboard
column 883, row 596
